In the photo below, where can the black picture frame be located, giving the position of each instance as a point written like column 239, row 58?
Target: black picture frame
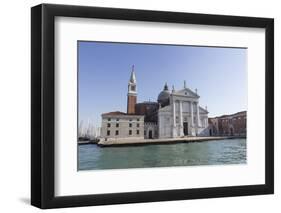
column 43, row 102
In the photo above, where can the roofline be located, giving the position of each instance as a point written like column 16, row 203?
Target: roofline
column 147, row 102
column 174, row 94
column 194, row 93
column 121, row 115
column 234, row 114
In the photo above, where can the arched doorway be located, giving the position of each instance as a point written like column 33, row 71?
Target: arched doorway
column 185, row 128
column 150, row 134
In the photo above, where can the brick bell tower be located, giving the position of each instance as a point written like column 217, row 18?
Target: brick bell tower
column 132, row 93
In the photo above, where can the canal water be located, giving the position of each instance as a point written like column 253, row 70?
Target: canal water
column 220, row 152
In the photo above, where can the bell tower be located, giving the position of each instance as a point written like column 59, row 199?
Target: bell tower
column 132, row 93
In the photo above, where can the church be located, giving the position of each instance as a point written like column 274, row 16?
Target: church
column 175, row 114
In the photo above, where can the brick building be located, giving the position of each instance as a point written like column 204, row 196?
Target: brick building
column 229, row 125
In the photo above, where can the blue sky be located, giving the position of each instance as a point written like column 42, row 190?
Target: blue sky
column 219, row 74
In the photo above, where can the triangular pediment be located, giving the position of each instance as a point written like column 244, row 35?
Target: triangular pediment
column 187, row 92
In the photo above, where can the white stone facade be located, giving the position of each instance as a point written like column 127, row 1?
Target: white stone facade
column 150, row 130
column 183, row 116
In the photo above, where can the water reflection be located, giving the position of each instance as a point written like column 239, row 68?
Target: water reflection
column 182, row 154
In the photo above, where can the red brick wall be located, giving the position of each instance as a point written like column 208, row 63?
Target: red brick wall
column 234, row 126
column 229, row 125
column 141, row 109
column 131, row 103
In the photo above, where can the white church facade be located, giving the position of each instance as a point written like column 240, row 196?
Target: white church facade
column 175, row 114
column 180, row 115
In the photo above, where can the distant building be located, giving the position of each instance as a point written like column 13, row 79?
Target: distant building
column 229, row 125
column 175, row 114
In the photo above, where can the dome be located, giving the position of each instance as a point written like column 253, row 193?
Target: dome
column 164, row 96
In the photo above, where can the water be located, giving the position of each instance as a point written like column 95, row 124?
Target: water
column 220, row 152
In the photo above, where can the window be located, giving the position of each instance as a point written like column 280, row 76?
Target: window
column 138, row 125
column 130, row 120
column 138, row 119
column 144, row 132
column 109, row 119
column 138, row 132
column 117, row 125
column 108, row 132
column 130, row 125
column 130, row 132
column 116, row 132
column 108, row 125
column 133, row 88
column 117, row 119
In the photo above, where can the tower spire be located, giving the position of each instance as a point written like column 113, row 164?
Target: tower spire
column 133, row 75
column 132, row 92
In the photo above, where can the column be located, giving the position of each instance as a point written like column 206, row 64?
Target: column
column 191, row 113
column 159, row 126
column 174, row 120
column 197, row 119
column 198, row 115
column 181, row 120
column 192, row 129
column 174, row 114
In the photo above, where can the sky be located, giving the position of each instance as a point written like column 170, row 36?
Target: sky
column 219, row 74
